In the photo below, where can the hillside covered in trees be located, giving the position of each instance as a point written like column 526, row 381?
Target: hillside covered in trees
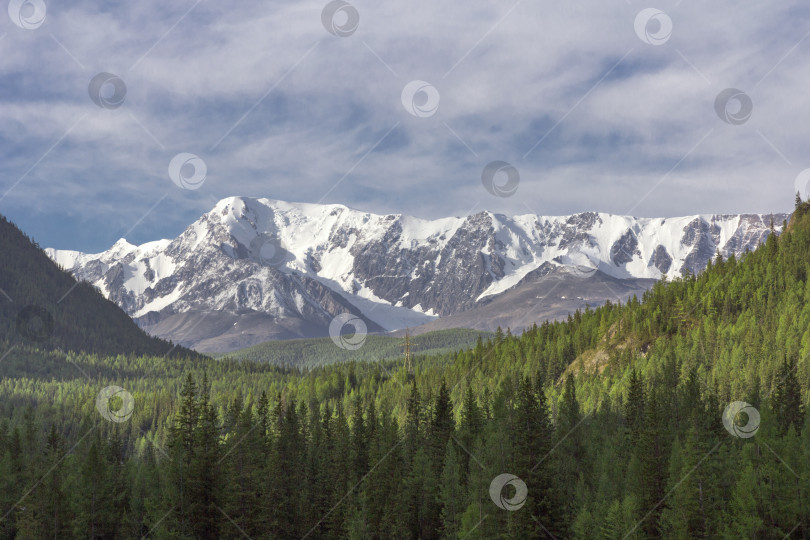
column 621, row 422
column 312, row 352
column 43, row 304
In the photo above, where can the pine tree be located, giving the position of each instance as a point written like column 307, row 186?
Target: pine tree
column 498, row 336
column 569, row 457
column 100, row 502
column 341, row 467
column 87, row 520
column 634, row 408
column 419, row 491
column 787, row 399
column 470, row 428
column 442, row 428
column 534, row 464
column 412, row 426
column 9, row 476
column 146, row 504
column 385, row 502
column 182, row 452
column 206, row 484
column 440, row 431
column 43, row 513
column 743, row 520
column 286, row 474
column 451, row 493
column 653, row 454
column 243, row 459
column 359, row 444
column 263, row 418
column 613, row 526
column 689, row 512
column 471, row 520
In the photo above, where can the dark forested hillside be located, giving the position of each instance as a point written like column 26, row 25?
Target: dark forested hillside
column 680, row 415
column 42, row 304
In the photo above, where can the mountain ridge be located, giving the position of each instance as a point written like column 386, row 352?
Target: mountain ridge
column 307, row 262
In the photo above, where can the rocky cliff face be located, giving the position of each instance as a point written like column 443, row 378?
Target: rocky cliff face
column 310, row 262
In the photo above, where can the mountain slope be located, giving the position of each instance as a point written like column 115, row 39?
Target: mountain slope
column 696, row 395
column 286, row 269
column 548, row 293
column 44, row 305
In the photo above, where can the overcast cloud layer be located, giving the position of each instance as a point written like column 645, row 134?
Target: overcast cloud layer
column 590, row 115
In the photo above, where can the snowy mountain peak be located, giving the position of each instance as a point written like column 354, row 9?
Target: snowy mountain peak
column 308, row 262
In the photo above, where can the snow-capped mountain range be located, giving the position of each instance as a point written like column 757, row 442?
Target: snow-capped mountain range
column 285, row 270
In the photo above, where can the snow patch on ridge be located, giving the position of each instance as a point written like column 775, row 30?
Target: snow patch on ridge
column 398, row 270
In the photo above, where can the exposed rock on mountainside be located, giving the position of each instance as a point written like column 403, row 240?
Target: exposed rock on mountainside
column 298, row 265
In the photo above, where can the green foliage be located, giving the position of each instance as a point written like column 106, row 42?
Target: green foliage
column 82, row 319
column 612, row 419
column 314, row 352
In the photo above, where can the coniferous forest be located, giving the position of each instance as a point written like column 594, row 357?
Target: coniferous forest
column 678, row 415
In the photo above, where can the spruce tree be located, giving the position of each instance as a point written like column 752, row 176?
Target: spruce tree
column 634, row 408
column 451, row 494
column 569, row 456
column 470, row 428
column 653, row 454
column 533, row 462
column 442, row 427
column 206, row 485
column 182, row 454
column 787, row 398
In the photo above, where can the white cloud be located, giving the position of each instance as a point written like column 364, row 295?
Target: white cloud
column 517, row 75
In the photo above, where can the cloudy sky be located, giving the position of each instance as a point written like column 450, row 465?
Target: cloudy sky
column 603, row 105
